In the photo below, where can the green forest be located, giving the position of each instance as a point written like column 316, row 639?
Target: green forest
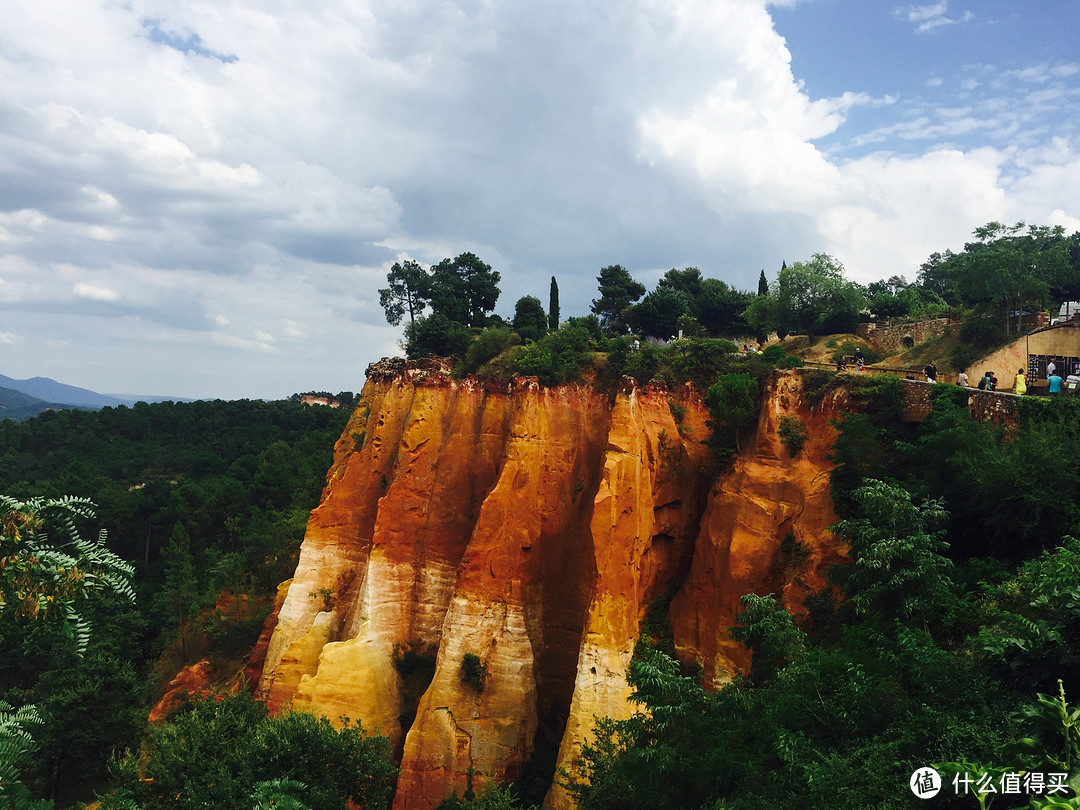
column 950, row 641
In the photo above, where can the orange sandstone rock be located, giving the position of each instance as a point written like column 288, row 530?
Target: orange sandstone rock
column 530, row 527
column 768, row 496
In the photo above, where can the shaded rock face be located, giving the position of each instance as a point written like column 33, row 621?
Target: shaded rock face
column 529, row 527
column 765, row 530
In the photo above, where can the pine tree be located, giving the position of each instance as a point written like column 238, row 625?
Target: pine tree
column 179, row 595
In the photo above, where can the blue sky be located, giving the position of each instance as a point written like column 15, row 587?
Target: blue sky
column 202, row 197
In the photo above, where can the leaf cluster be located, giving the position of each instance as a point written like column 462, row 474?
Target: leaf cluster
column 215, row 753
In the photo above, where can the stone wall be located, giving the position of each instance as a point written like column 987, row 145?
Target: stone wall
column 997, row 407
column 889, row 339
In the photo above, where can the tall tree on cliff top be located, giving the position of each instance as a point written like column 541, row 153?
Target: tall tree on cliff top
column 618, row 290
column 812, row 297
column 529, row 318
column 464, row 289
column 408, row 290
column 553, row 306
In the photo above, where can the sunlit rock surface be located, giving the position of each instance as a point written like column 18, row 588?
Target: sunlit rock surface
column 531, row 527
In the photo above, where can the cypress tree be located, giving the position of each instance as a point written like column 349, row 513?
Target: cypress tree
column 553, row 306
column 762, row 284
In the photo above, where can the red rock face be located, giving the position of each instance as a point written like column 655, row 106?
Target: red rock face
column 528, row 527
column 192, row 681
column 765, row 530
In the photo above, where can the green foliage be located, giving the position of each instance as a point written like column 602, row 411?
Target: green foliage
column 215, row 754
column 983, row 334
column 678, row 411
column 811, row 297
column 897, row 546
column 464, row 290
column 17, row 745
column 817, row 382
column 530, row 321
column 848, row 349
column 656, row 629
column 408, row 290
column 1006, row 270
column 732, row 403
column 775, row 355
column 279, row 793
column 489, row 344
column 793, row 434
column 998, row 489
column 553, row 306
column 1056, row 726
column 473, row 672
column 178, row 599
column 436, row 335
column 492, row 797
column 1032, row 629
column 618, row 290
column 558, row 357
column 658, row 313
column 766, row 628
column 719, row 309
column 47, row 569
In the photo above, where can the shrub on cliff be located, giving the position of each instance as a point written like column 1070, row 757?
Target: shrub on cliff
column 214, row 754
column 558, row 357
column 489, row 344
column 732, row 402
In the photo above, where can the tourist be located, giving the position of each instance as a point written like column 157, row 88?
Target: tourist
column 962, row 378
column 984, row 383
column 931, row 372
column 1055, row 383
column 993, row 382
column 1020, row 388
column 1051, row 367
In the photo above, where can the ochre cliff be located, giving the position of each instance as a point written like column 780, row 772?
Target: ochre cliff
column 531, row 527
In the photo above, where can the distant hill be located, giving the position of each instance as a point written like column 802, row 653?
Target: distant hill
column 58, row 395
column 51, row 391
column 18, row 406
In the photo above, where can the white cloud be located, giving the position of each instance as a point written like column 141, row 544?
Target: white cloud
column 11, row 339
column 8, row 292
column 930, row 17
column 95, row 292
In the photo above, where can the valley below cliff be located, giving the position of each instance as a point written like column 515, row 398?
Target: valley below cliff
column 507, row 542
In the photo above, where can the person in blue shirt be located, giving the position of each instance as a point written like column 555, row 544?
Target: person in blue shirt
column 1055, row 383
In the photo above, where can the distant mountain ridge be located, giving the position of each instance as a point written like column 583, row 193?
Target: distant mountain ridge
column 55, row 394
column 52, row 391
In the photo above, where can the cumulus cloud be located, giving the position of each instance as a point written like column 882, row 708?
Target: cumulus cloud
column 210, row 193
